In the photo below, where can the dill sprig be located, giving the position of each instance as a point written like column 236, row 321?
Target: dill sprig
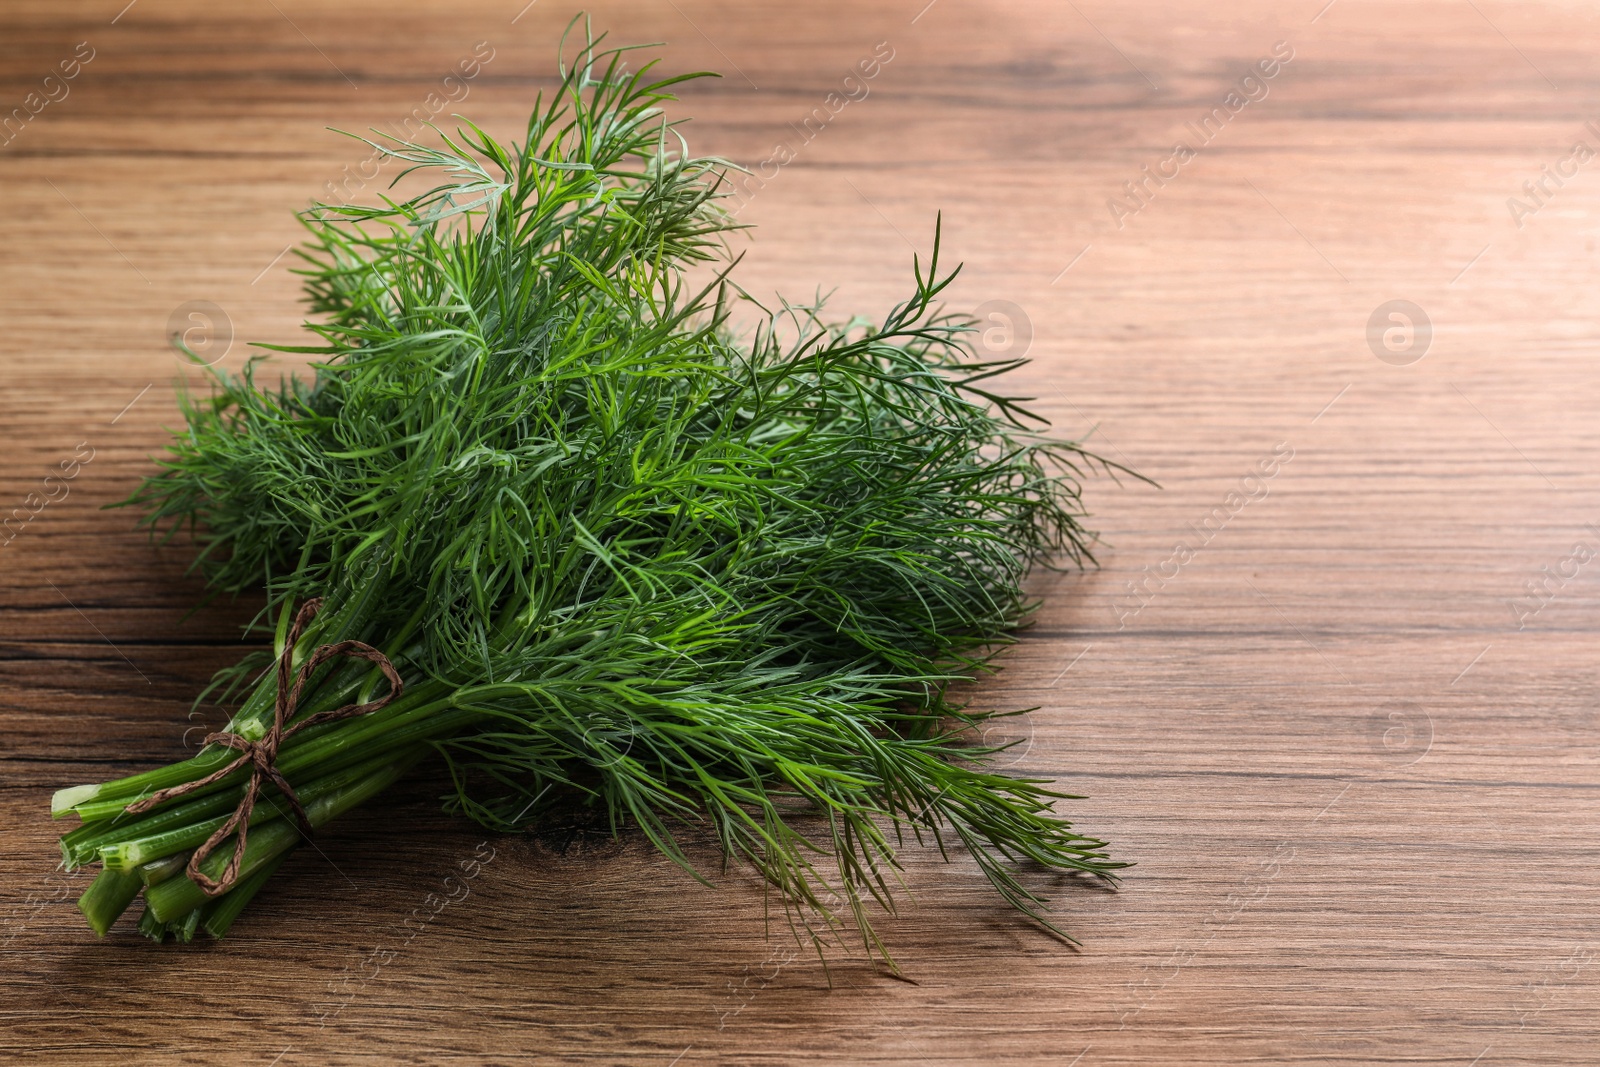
column 625, row 555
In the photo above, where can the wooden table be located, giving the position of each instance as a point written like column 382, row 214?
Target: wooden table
column 1352, row 756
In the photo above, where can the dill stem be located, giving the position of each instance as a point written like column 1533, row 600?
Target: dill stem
column 184, row 928
column 219, row 915
column 149, row 927
column 128, row 853
column 327, row 689
column 176, row 897
column 419, row 715
column 157, row 871
column 107, row 897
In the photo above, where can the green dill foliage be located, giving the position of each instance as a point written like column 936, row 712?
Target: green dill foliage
column 625, row 554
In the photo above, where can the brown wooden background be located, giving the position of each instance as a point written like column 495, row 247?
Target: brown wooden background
column 1363, row 801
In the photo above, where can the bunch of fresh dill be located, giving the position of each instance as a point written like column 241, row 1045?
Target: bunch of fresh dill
column 621, row 556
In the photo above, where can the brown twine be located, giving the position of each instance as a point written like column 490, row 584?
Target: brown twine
column 262, row 755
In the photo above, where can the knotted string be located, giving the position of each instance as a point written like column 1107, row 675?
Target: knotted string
column 262, row 755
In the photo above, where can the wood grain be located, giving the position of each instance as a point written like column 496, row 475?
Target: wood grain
column 1360, row 788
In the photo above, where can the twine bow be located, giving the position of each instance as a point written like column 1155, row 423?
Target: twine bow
column 262, row 755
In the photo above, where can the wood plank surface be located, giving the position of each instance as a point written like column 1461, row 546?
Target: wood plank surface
column 1355, row 764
